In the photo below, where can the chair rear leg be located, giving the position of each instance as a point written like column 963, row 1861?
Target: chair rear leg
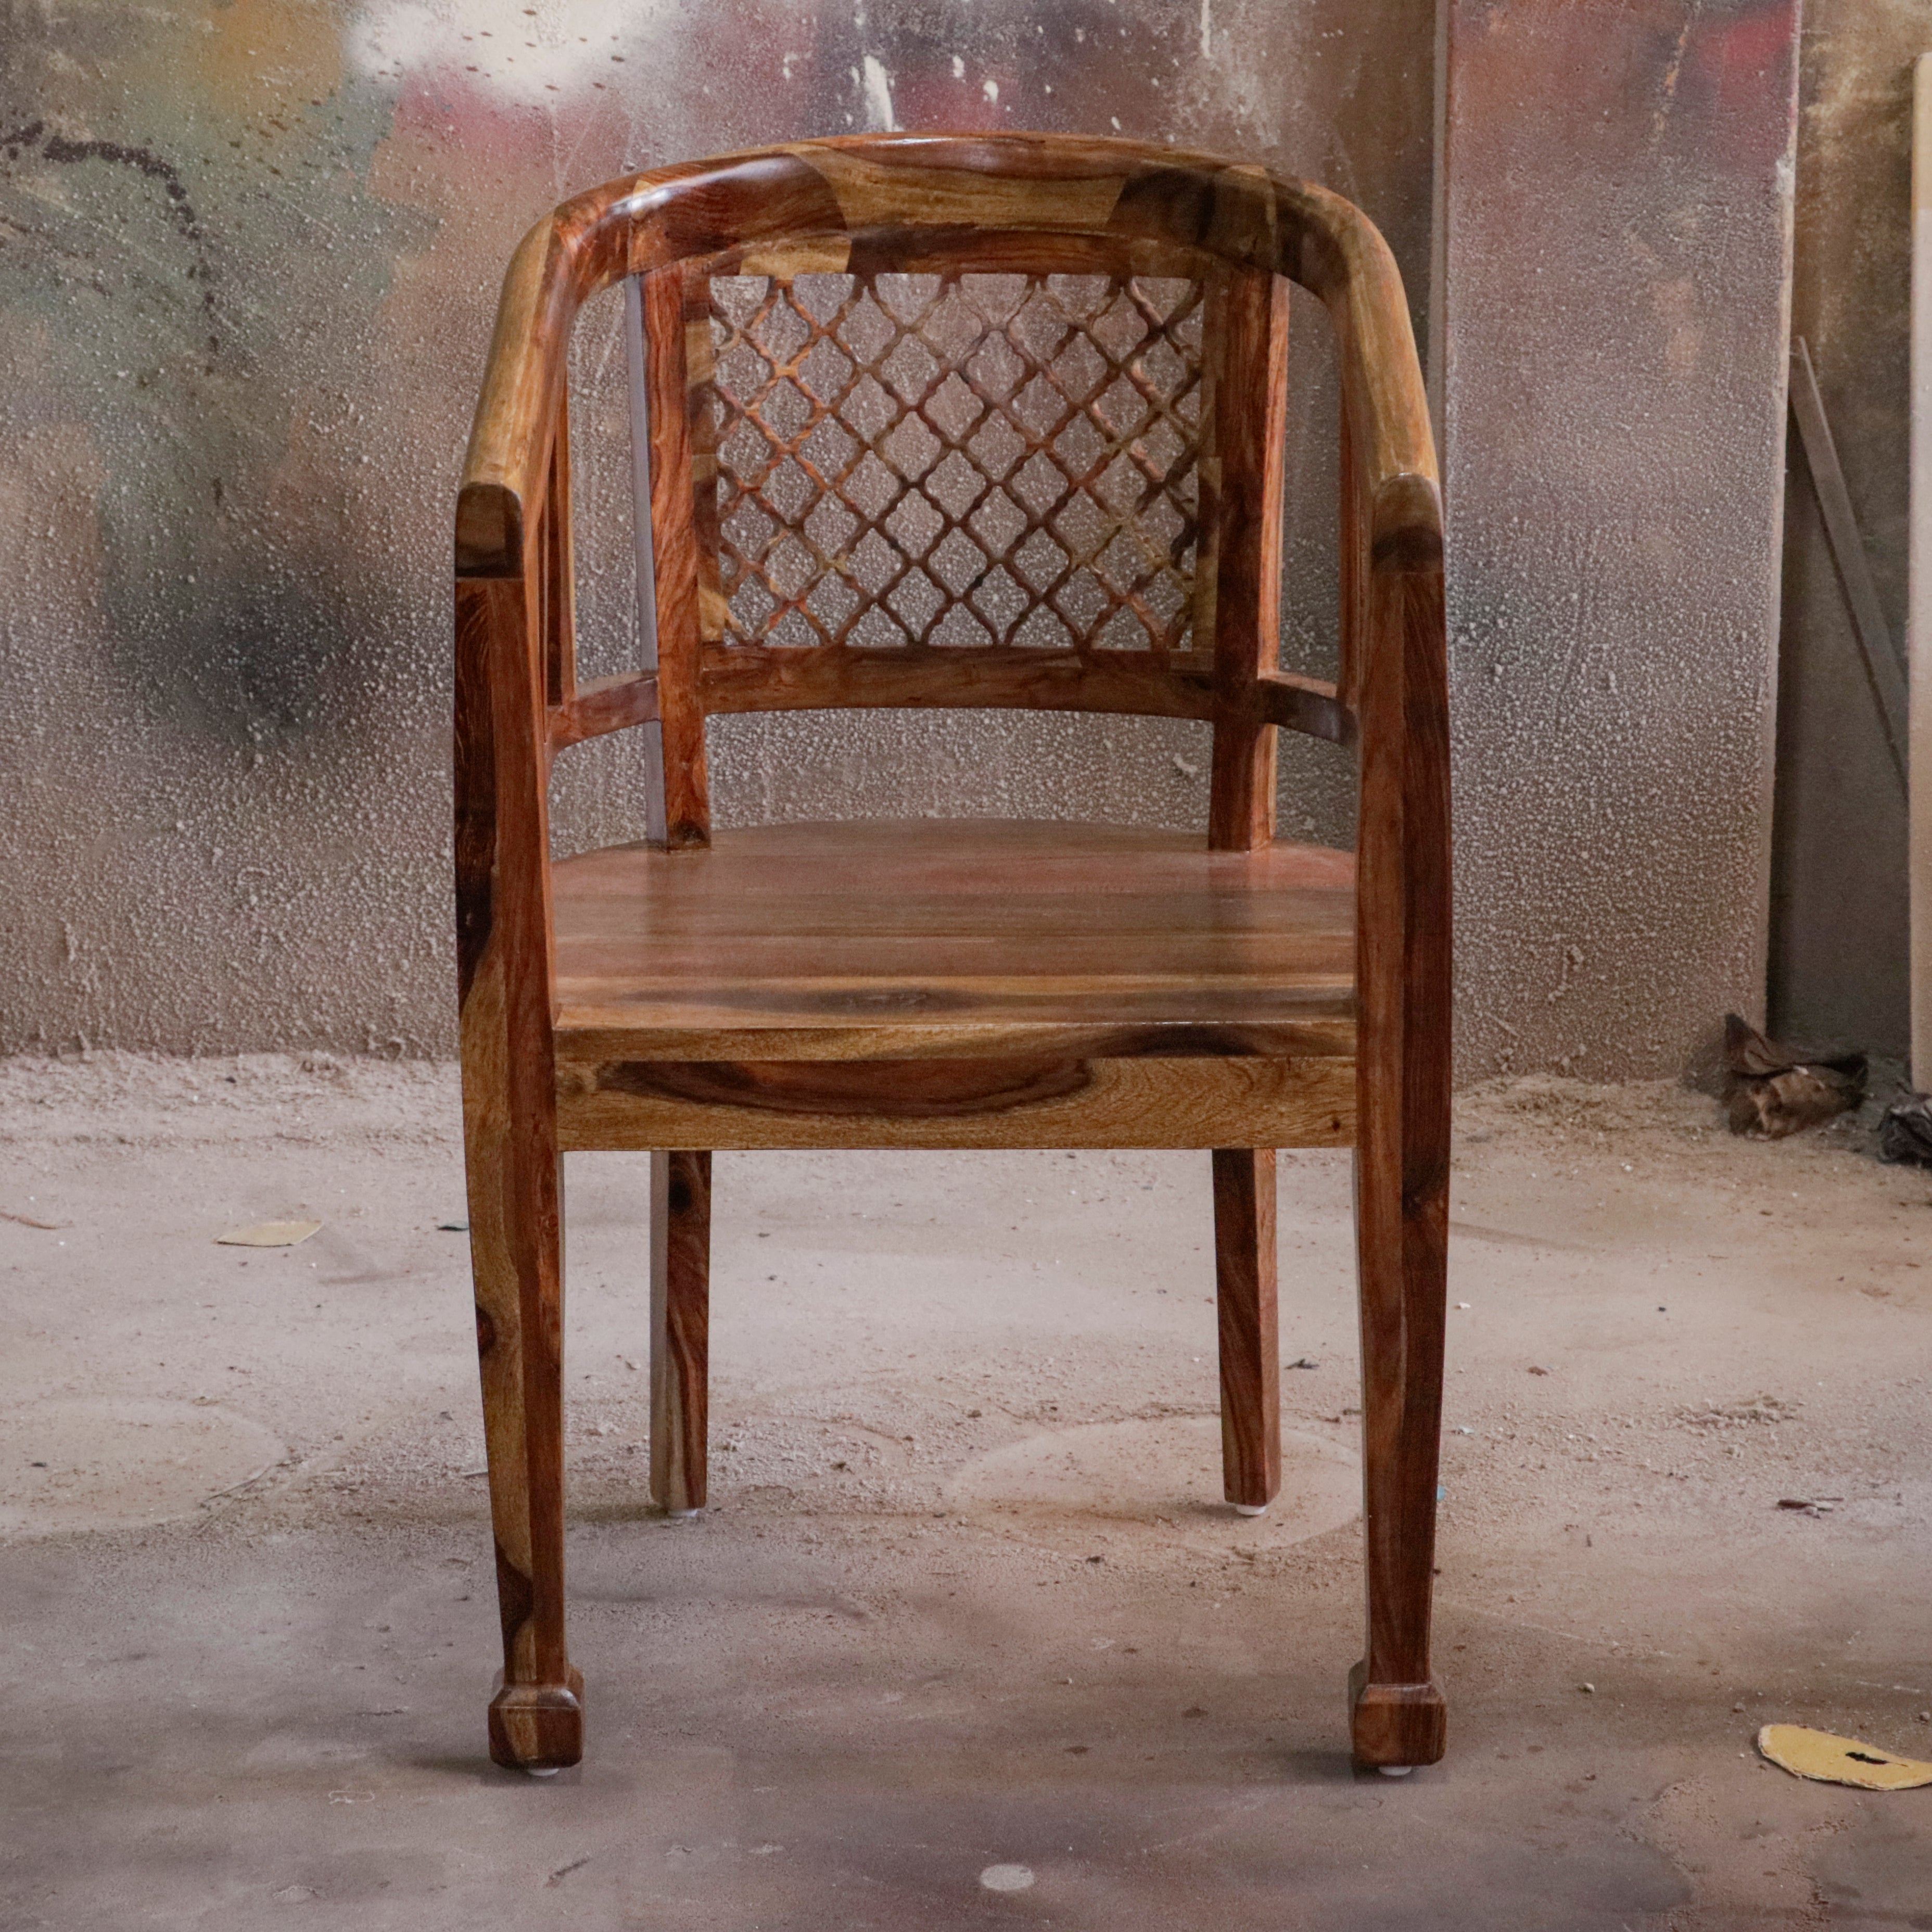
column 1244, row 1263
column 680, row 1328
column 516, row 1245
column 1398, row 1718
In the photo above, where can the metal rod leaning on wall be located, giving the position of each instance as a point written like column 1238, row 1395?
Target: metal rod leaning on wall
column 1918, row 601
column 1848, row 551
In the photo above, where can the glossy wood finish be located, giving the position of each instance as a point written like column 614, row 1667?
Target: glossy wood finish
column 928, row 985
column 952, row 466
column 603, row 704
column 1244, row 1268
column 918, row 1103
column 514, row 1167
column 680, row 1327
column 906, row 939
column 1402, row 1155
column 1249, row 402
column 870, row 192
column 1059, row 985
column 675, row 476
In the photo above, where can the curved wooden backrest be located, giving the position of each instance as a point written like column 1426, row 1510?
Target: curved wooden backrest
column 958, row 420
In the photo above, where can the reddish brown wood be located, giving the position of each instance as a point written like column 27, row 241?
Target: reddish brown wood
column 983, row 462
column 1351, row 545
column 855, row 188
column 747, row 679
column 514, row 1166
column 1244, row 1266
column 558, row 578
column 675, row 483
column 680, row 1332
column 1148, row 1102
column 1249, row 404
column 1402, row 1151
column 1306, row 704
column 727, row 1018
column 604, row 704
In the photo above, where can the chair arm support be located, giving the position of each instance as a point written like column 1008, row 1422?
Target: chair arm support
column 1310, row 705
column 603, row 704
column 1382, row 395
column 509, row 439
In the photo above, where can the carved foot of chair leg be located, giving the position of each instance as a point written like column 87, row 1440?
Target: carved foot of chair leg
column 537, row 1727
column 1395, row 1727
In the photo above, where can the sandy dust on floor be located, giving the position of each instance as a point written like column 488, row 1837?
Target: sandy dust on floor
column 967, row 1599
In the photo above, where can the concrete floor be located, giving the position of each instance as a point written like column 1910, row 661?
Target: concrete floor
column 968, row 1600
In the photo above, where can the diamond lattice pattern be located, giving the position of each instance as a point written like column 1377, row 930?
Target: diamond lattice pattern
column 961, row 460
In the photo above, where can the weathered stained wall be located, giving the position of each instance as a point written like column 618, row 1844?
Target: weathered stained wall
column 1838, row 943
column 1615, row 250
column 248, row 257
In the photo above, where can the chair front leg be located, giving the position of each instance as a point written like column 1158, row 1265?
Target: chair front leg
column 516, row 1242
column 1398, row 1715
column 680, row 1329
column 1244, row 1265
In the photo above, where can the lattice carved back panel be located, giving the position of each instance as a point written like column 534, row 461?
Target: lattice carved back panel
column 956, row 460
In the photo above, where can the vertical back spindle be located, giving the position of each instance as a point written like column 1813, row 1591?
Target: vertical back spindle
column 1249, row 425
column 674, row 548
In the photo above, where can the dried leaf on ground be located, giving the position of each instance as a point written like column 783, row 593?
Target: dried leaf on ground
column 1775, row 1090
column 268, row 1234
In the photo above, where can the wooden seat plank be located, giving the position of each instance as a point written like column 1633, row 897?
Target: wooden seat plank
column 906, row 939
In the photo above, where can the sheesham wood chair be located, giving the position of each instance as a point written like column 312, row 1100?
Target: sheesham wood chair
column 956, row 421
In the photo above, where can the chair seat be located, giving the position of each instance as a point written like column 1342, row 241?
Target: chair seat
column 897, row 939
column 1051, row 949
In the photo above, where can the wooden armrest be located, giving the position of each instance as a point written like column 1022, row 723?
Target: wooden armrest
column 1394, row 448
column 503, row 470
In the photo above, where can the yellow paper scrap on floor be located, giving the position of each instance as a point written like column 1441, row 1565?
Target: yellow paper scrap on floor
column 268, row 1234
column 1831, row 1760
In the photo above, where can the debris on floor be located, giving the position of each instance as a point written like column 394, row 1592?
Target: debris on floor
column 1774, row 1090
column 268, row 1234
column 1820, row 1756
column 1905, row 1131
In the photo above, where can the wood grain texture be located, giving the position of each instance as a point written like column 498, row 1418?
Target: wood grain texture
column 747, row 679
column 898, row 940
column 1402, row 1152
column 680, row 1328
column 1100, row 1103
column 1244, row 1269
column 944, row 985
column 677, row 556
column 966, row 461
column 557, row 572
column 1307, row 704
column 601, row 704
column 1249, row 402
column 1201, row 201
column 512, row 1157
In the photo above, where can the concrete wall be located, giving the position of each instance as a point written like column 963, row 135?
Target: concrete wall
column 1615, row 233
column 249, row 253
column 1838, row 956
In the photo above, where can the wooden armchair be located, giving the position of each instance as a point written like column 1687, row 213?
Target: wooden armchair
column 958, row 421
